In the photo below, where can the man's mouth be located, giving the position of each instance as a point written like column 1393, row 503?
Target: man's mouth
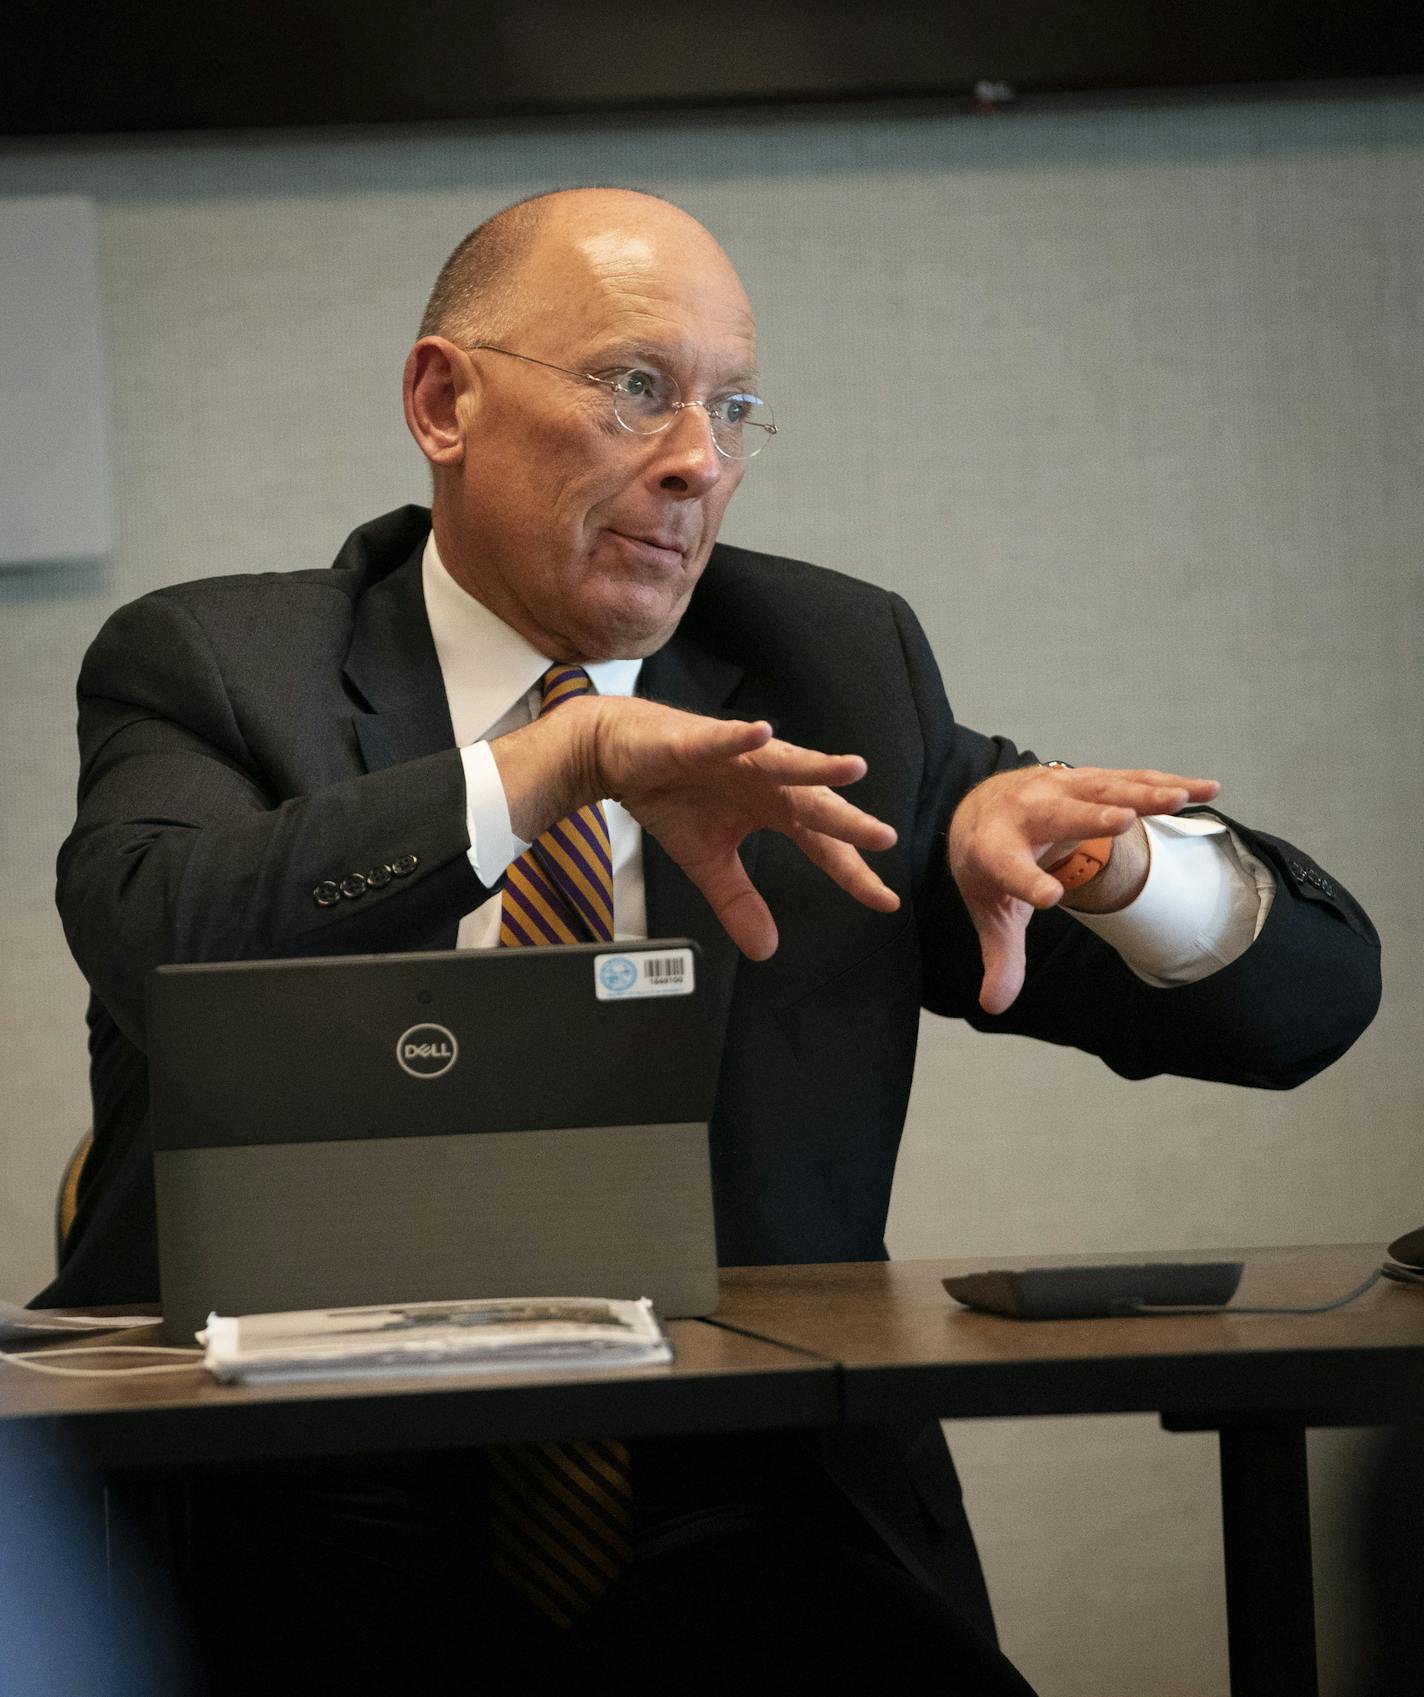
column 661, row 550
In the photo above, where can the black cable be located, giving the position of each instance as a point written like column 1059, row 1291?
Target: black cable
column 1127, row 1307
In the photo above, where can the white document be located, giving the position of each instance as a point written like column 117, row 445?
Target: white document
column 506, row 1334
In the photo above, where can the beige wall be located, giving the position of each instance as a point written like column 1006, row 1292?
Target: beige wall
column 1127, row 402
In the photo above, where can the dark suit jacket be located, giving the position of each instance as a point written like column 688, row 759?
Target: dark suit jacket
column 245, row 739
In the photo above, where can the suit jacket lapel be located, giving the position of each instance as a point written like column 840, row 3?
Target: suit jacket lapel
column 686, row 675
column 393, row 667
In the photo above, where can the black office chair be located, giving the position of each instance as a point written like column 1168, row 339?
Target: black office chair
column 68, row 1199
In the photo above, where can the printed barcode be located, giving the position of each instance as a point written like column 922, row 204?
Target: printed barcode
column 618, row 978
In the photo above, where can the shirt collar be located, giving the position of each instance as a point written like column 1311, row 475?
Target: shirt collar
column 486, row 661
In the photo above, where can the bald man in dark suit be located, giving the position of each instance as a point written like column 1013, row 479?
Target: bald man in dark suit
column 346, row 761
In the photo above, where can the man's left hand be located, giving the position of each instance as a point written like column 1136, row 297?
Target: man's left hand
column 1001, row 832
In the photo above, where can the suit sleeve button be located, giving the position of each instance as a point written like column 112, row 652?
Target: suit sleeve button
column 353, row 886
column 405, row 865
column 326, row 894
column 378, row 877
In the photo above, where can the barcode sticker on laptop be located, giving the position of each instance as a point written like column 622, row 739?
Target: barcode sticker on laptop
column 619, row 978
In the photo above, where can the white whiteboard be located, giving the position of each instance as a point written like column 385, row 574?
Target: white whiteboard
column 55, row 497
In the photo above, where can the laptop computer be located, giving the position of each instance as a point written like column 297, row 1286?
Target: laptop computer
column 416, row 1127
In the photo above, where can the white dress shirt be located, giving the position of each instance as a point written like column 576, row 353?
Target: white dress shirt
column 1204, row 902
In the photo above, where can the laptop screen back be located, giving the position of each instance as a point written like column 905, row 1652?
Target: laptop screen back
column 522, row 1122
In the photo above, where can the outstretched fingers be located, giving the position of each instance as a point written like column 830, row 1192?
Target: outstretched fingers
column 1001, row 925
column 1169, row 780
column 736, row 901
column 1007, row 825
column 1143, row 790
column 821, row 809
column 796, row 765
column 998, row 862
column 713, row 740
column 844, row 866
column 764, row 759
column 1066, row 818
column 703, row 785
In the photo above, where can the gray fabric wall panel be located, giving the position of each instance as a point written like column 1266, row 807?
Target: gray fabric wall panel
column 54, row 432
column 1126, row 402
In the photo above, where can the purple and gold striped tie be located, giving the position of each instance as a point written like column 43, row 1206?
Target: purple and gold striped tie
column 561, row 889
column 561, row 1514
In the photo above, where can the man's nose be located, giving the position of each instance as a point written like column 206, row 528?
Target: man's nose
column 687, row 462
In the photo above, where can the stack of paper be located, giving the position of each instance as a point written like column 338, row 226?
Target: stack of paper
column 17, row 1325
column 507, row 1334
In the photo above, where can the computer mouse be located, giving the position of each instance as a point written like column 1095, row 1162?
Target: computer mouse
column 1409, row 1249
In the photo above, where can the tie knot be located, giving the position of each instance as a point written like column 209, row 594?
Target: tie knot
column 560, row 684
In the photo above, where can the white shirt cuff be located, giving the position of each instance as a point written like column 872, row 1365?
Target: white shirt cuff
column 1203, row 905
column 493, row 844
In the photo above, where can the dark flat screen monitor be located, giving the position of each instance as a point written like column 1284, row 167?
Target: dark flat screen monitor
column 111, row 65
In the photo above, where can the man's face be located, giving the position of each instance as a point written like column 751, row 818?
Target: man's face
column 585, row 537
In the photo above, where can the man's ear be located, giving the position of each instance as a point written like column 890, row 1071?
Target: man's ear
column 438, row 388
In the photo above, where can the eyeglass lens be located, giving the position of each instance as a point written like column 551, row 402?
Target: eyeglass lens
column 646, row 402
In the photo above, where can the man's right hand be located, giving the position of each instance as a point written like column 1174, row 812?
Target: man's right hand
column 701, row 786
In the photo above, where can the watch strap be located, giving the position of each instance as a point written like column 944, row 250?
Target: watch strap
column 1083, row 863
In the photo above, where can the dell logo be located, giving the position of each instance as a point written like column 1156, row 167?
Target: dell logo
column 427, row 1051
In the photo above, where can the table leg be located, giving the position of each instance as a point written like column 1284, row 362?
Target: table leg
column 1270, row 1598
